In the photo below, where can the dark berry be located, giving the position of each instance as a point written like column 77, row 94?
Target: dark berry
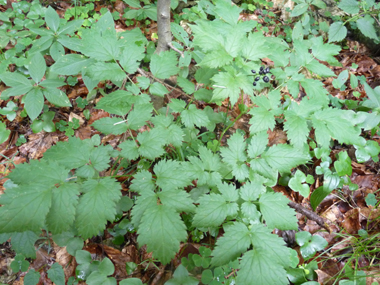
column 257, row 78
column 253, row 71
column 266, row 79
column 261, row 72
column 261, row 68
column 267, row 70
column 254, row 83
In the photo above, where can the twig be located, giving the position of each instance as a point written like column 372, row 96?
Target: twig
column 310, row 215
column 149, row 75
column 175, row 49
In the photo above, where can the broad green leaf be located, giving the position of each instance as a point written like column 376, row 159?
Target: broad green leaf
column 33, row 103
column 100, row 46
column 118, row 102
column 349, row 6
column 373, row 95
column 132, row 281
column 299, row 9
column 106, row 71
column 70, row 27
column 52, row 83
column 129, row 149
column 62, row 214
column 72, row 43
column 37, row 67
column 113, row 125
column 56, row 97
column 52, row 19
column 367, row 28
column 206, row 36
column 139, row 116
column 41, row 44
column 106, row 267
column 56, row 274
column 341, row 80
column 97, row 206
column 57, row 51
column 232, row 244
column 15, row 79
column 284, row 157
column 161, row 230
column 228, row 12
column 164, row 65
column 330, row 182
column 133, row 3
column 337, row 32
column 276, row 212
column 4, row 132
column 71, row 64
column 194, row 116
column 15, row 91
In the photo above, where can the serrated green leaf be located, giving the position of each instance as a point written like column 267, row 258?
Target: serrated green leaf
column 194, row 116
column 131, row 56
column 337, row 32
column 129, row 149
column 161, row 230
column 23, row 242
column 147, row 200
column 158, row 89
column 164, row 65
column 139, row 115
column 179, row 33
column 349, row 6
column 71, row 154
column 177, row 105
column 62, row 214
column 71, row 64
column 97, row 206
column 367, row 28
column 212, row 210
column 255, row 46
column 235, row 156
column 32, row 277
column 118, row 102
column 228, row 12
column 37, row 67
column 217, row 58
column 113, row 125
column 36, row 201
column 170, row 175
column 52, row 19
column 284, row 157
column 206, row 36
column 258, row 144
column 232, row 244
column 297, row 128
column 270, row 205
column 319, row 69
column 251, row 191
column 151, row 144
column 56, row 274
column 259, row 268
column 178, row 200
column 186, row 85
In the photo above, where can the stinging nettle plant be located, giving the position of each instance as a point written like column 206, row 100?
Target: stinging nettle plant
column 66, row 193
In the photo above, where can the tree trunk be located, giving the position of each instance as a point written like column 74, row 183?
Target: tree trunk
column 164, row 38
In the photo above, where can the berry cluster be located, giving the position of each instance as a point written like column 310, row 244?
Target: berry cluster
column 262, row 71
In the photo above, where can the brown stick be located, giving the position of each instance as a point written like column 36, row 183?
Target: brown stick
column 310, row 215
